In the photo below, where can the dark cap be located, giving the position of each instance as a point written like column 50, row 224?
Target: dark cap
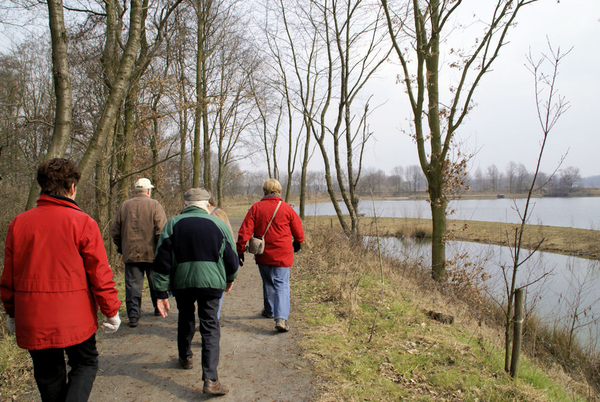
column 196, row 194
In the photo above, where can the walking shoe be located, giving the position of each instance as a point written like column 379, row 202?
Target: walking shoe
column 265, row 314
column 133, row 322
column 156, row 312
column 214, row 388
column 186, row 364
column 281, row 325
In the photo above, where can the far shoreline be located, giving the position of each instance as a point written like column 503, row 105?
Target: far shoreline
column 582, row 243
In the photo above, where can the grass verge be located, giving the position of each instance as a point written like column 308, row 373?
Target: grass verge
column 16, row 369
column 367, row 333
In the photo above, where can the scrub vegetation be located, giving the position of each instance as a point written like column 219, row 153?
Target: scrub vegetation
column 368, row 330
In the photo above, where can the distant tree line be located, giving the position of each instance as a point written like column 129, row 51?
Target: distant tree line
column 514, row 179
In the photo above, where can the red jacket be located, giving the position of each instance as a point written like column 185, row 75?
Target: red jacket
column 55, row 275
column 278, row 240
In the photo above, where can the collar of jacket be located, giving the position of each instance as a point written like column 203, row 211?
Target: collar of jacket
column 266, row 197
column 48, row 199
column 193, row 209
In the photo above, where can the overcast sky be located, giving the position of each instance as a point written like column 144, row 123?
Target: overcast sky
column 504, row 127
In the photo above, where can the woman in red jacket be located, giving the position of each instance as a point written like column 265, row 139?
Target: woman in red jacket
column 275, row 262
column 55, row 276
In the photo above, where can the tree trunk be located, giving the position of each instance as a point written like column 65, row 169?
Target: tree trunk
column 117, row 92
column 438, row 243
column 102, row 185
column 62, row 90
column 303, row 172
column 124, row 144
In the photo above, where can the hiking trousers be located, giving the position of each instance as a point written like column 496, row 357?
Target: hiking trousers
column 134, row 284
column 50, row 372
column 210, row 330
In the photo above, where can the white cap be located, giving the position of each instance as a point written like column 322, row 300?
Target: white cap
column 143, row 184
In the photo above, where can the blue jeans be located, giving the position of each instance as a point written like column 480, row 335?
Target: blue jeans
column 276, row 290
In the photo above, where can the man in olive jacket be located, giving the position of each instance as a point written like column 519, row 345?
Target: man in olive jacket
column 196, row 260
column 135, row 232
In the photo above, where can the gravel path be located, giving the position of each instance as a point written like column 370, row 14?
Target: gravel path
column 257, row 363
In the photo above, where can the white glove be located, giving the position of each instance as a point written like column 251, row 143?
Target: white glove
column 10, row 323
column 112, row 324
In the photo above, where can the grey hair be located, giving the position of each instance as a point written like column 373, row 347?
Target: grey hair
column 200, row 204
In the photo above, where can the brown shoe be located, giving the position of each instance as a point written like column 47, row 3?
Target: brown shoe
column 281, row 325
column 186, row 364
column 214, row 388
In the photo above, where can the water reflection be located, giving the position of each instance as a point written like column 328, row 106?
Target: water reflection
column 560, row 285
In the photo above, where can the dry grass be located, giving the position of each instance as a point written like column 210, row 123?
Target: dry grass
column 337, row 289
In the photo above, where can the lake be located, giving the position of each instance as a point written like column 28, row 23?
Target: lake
column 554, row 296
column 576, row 212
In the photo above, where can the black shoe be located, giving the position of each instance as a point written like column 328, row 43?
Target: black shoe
column 186, row 364
column 156, row 312
column 214, row 388
column 281, row 325
column 133, row 322
column 265, row 314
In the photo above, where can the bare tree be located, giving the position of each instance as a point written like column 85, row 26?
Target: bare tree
column 62, row 89
column 550, row 107
column 493, row 175
column 568, row 177
column 234, row 103
column 426, row 25
column 353, row 48
column 415, row 177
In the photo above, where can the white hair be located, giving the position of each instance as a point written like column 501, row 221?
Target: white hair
column 200, row 204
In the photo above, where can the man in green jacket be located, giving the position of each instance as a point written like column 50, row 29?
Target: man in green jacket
column 196, row 259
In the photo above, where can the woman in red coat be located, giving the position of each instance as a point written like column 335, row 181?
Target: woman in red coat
column 55, row 276
column 275, row 262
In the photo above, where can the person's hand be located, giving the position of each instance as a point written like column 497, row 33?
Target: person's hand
column 10, row 324
column 297, row 246
column 163, row 307
column 241, row 257
column 228, row 286
column 112, row 324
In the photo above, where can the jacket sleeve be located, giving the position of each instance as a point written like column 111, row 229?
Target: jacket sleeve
column 163, row 263
column 160, row 218
column 246, row 230
column 98, row 271
column 115, row 231
column 230, row 257
column 6, row 281
column 296, row 226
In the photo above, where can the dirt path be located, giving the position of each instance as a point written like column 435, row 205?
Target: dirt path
column 257, row 363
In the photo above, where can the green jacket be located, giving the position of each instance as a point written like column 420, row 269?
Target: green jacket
column 194, row 250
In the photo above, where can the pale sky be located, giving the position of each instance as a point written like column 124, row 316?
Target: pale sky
column 504, row 126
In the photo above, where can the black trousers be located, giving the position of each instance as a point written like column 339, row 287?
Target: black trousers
column 50, row 372
column 210, row 330
column 134, row 284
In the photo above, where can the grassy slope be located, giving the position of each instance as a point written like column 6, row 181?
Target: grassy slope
column 338, row 296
